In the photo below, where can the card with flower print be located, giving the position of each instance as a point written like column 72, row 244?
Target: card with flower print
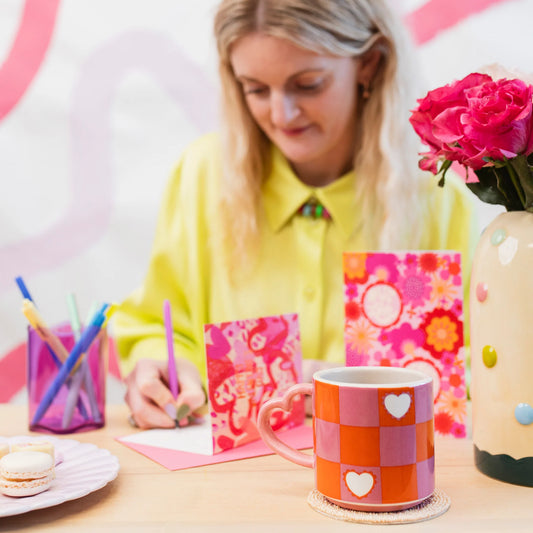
column 406, row 309
column 249, row 362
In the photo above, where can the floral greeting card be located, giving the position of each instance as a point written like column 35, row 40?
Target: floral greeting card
column 406, row 310
column 249, row 362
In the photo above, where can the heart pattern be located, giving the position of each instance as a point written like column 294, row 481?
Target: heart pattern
column 359, row 484
column 397, row 404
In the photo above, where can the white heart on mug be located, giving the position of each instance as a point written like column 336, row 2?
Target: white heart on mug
column 359, row 484
column 397, row 405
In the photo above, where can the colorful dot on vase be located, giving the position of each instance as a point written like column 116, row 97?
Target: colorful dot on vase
column 524, row 414
column 481, row 291
column 507, row 250
column 498, row 237
column 489, row 356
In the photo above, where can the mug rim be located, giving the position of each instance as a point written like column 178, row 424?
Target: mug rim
column 413, row 378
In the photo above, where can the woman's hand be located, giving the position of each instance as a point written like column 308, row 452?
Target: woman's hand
column 150, row 400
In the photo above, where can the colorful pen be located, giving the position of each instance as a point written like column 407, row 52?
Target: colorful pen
column 23, row 289
column 26, row 295
column 73, row 397
column 79, row 348
column 82, row 376
column 172, row 373
column 38, row 324
column 56, row 348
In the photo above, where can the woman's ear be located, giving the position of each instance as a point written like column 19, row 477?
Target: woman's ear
column 367, row 66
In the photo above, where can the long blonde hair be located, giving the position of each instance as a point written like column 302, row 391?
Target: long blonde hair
column 388, row 181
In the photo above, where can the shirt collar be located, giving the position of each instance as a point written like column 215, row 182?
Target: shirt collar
column 284, row 193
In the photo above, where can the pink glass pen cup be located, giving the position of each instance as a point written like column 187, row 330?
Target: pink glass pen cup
column 373, row 436
column 80, row 402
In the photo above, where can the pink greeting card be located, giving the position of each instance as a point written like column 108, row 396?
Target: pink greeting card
column 249, row 362
column 406, row 310
column 166, row 446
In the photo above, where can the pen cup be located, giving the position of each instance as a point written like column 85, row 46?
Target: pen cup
column 79, row 404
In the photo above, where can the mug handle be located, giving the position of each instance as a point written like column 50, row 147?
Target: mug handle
column 267, row 433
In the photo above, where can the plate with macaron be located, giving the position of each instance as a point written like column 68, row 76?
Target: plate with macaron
column 40, row 472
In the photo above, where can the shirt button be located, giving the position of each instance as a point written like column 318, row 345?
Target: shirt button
column 309, row 292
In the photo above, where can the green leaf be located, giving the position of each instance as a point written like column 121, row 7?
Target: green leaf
column 507, row 186
column 488, row 194
column 525, row 176
column 495, row 187
column 442, row 170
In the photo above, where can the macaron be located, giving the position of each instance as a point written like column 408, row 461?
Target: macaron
column 26, row 473
column 38, row 446
column 4, row 449
column 34, row 446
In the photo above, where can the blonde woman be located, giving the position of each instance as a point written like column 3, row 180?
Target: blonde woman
column 315, row 157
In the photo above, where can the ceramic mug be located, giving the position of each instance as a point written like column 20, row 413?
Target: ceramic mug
column 373, row 436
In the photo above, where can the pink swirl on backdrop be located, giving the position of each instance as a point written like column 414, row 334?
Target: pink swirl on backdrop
column 28, row 51
column 436, row 16
column 89, row 213
column 92, row 172
column 92, row 178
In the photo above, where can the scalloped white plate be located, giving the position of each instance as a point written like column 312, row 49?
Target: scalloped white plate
column 84, row 469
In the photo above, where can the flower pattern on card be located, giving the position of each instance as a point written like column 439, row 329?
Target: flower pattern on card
column 406, row 310
column 248, row 363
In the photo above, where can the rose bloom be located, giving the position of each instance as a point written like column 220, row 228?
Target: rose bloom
column 437, row 120
column 475, row 119
column 499, row 119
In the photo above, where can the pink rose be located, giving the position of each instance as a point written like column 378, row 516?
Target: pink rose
column 499, row 120
column 437, row 120
column 448, row 128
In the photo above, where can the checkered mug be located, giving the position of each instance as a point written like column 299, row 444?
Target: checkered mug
column 373, row 436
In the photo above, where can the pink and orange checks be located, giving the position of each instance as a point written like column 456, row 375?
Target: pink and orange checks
column 373, row 436
column 374, row 445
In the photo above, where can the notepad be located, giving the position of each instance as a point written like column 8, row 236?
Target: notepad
column 162, row 448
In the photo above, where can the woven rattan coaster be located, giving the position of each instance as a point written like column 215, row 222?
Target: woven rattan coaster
column 434, row 506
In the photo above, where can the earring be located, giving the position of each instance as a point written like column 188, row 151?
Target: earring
column 366, row 92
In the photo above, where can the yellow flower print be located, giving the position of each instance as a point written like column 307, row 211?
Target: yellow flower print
column 361, row 336
column 443, row 291
column 354, row 265
column 455, row 407
column 444, row 332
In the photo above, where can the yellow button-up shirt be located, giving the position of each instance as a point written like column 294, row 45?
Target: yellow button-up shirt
column 297, row 264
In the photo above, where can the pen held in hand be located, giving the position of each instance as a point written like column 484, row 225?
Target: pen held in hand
column 172, row 373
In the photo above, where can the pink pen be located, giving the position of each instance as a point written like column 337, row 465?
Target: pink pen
column 172, row 373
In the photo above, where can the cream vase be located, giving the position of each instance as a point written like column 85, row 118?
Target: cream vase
column 501, row 318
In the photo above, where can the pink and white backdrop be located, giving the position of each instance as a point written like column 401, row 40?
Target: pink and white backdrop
column 97, row 100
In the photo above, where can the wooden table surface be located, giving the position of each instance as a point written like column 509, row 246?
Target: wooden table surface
column 265, row 494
